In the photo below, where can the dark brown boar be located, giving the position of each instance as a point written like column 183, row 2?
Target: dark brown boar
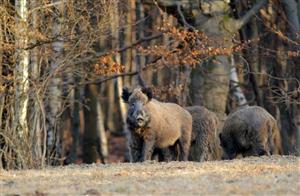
column 205, row 145
column 250, row 131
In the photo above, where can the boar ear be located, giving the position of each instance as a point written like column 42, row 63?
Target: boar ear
column 126, row 94
column 148, row 92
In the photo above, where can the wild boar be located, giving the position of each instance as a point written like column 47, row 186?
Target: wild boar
column 205, row 145
column 154, row 124
column 250, row 131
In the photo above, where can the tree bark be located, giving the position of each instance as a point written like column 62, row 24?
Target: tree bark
column 210, row 80
column 89, row 147
column 55, row 88
column 139, row 59
column 2, row 94
column 21, row 71
column 234, row 80
column 94, row 138
column 75, row 121
column 35, row 111
column 2, row 89
column 292, row 11
column 115, row 26
column 101, row 134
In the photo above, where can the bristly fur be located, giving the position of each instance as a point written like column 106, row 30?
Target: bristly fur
column 157, row 125
column 205, row 144
column 250, row 131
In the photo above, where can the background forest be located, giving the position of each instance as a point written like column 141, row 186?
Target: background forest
column 63, row 64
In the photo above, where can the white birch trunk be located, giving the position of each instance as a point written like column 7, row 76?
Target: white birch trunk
column 1, row 88
column 55, row 92
column 21, row 71
column 119, row 80
column 101, row 133
column 234, row 80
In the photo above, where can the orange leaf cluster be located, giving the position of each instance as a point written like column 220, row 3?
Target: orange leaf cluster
column 107, row 66
column 189, row 48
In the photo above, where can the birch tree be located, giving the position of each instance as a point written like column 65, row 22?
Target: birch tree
column 1, row 83
column 2, row 88
column 55, row 88
column 35, row 125
column 234, row 81
column 115, row 26
column 21, row 71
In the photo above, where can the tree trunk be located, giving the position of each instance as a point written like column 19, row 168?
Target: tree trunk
column 21, row 71
column 101, row 134
column 139, row 60
column 55, row 88
column 35, row 111
column 89, row 147
column 130, row 37
column 2, row 93
column 115, row 26
column 94, row 137
column 210, row 80
column 292, row 11
column 75, row 121
column 234, row 81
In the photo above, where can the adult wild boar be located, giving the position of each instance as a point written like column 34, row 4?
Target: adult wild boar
column 154, row 124
column 250, row 131
column 205, row 145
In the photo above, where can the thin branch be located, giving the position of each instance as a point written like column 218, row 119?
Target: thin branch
column 138, row 73
column 40, row 43
column 46, row 6
column 143, row 39
column 97, row 55
column 190, row 4
column 110, row 78
column 186, row 24
column 245, row 19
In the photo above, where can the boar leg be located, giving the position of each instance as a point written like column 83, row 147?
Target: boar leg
column 135, row 146
column 184, row 149
column 148, row 148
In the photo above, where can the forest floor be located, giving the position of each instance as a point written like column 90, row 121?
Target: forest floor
column 275, row 175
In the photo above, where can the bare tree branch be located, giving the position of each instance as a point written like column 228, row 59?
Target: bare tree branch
column 143, row 39
column 245, row 19
column 47, row 6
column 186, row 24
column 99, row 81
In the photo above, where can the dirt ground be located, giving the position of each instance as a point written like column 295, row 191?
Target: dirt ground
column 275, row 175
